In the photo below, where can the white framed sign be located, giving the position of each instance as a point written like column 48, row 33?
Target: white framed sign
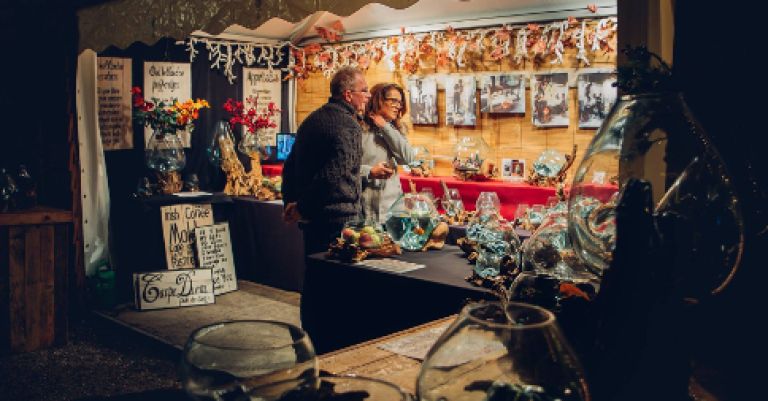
column 264, row 85
column 179, row 224
column 167, row 82
column 113, row 88
column 214, row 251
column 173, row 289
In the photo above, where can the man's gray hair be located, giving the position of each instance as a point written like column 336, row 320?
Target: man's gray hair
column 344, row 79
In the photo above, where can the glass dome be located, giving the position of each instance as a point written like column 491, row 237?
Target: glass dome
column 469, row 154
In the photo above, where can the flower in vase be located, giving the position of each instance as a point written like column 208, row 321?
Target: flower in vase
column 166, row 117
column 247, row 114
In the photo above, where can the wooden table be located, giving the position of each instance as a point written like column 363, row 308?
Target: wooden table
column 367, row 359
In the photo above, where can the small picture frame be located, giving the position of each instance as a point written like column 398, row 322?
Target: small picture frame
column 513, row 169
column 598, row 177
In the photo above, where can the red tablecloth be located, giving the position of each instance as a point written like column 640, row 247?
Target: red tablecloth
column 271, row 170
column 510, row 194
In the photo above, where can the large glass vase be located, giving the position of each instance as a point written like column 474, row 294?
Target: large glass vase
column 501, row 352
column 655, row 138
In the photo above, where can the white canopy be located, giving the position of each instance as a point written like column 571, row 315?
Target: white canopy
column 122, row 22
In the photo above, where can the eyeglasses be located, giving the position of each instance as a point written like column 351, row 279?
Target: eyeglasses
column 360, row 91
column 394, row 102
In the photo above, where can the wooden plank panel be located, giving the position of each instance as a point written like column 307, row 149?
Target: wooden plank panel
column 47, row 266
column 61, row 270
column 33, row 294
column 16, row 285
column 36, row 215
column 5, row 317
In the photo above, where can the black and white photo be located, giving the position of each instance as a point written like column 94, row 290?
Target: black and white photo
column 597, row 94
column 460, row 100
column 502, row 93
column 549, row 99
column 422, row 93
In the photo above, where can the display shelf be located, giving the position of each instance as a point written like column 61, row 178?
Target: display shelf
column 36, row 215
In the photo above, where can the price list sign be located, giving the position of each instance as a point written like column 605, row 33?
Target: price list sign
column 214, row 251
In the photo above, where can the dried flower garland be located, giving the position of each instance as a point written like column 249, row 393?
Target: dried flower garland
column 537, row 43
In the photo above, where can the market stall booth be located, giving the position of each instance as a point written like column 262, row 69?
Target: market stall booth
column 506, row 99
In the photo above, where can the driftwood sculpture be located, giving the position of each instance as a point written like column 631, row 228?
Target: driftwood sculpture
column 241, row 183
column 168, row 183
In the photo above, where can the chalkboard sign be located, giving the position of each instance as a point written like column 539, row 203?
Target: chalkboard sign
column 179, row 223
column 214, row 251
column 173, row 289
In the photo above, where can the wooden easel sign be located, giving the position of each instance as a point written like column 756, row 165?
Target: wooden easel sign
column 173, row 289
column 179, row 223
column 214, row 251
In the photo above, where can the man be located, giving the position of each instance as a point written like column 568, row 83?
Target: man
column 321, row 180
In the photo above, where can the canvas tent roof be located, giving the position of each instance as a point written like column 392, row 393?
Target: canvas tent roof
column 122, row 22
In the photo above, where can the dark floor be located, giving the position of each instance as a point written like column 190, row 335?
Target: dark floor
column 101, row 361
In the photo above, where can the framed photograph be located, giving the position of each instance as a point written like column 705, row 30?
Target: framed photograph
column 502, row 93
column 549, row 99
column 596, row 97
column 460, row 100
column 518, row 168
column 422, row 93
column 512, row 169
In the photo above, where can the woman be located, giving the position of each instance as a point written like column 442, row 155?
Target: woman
column 383, row 140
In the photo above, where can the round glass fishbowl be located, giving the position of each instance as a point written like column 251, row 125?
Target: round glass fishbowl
column 255, row 145
column 495, row 351
column 549, row 163
column 164, row 152
column 422, row 158
column 655, row 138
column 410, row 221
column 469, row 154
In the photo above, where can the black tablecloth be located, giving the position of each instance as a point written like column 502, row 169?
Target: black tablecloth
column 266, row 250
column 344, row 304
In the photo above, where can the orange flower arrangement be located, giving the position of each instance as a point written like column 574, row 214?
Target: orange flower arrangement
column 166, row 117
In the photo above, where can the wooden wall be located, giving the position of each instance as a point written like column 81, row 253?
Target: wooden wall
column 509, row 136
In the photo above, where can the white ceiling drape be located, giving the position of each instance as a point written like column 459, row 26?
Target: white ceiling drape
column 122, row 22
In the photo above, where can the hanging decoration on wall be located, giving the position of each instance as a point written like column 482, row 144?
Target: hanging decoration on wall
column 549, row 99
column 224, row 54
column 408, row 52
